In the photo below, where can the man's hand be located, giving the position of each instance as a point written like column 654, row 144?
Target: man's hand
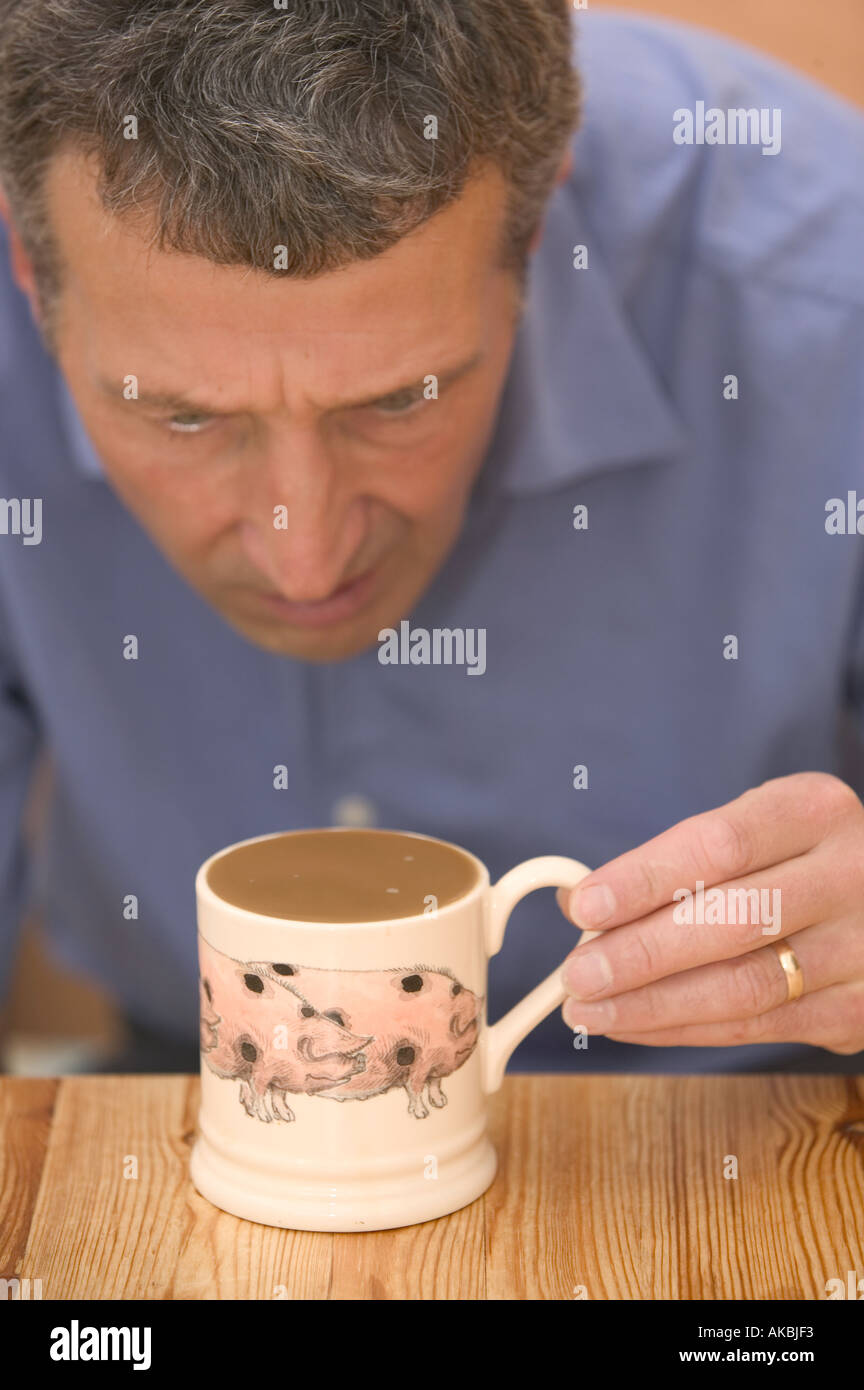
column 657, row 978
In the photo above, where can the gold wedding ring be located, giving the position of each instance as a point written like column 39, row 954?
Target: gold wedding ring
column 792, row 968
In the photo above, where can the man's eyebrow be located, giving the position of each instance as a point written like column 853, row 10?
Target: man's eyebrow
column 163, row 400
column 159, row 399
column 445, row 378
column 179, row 402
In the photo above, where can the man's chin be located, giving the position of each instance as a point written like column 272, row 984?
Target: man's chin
column 336, row 642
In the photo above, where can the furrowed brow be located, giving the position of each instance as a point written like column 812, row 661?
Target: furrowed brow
column 445, row 378
column 180, row 403
column 159, row 400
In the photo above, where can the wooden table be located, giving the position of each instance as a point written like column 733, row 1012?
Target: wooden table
column 612, row 1185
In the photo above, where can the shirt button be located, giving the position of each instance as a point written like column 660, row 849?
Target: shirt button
column 354, row 810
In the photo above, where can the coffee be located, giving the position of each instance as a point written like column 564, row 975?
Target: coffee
column 342, row 875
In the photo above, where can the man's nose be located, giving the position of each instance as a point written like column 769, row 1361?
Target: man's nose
column 303, row 526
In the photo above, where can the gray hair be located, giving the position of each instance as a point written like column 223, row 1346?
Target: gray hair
column 300, row 124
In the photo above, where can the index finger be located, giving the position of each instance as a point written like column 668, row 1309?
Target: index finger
column 779, row 820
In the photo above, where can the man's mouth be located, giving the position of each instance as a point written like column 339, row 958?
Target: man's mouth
column 342, row 604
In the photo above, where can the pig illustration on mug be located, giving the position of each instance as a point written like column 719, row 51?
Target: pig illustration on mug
column 284, row 1028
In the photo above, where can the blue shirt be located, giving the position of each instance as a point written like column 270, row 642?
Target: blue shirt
column 604, row 646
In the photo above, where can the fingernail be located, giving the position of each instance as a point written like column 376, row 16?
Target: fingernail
column 587, row 974
column 589, row 907
column 593, row 1017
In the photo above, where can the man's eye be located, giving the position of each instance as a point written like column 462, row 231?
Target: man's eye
column 399, row 405
column 189, row 424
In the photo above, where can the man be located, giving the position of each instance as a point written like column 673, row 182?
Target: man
column 326, row 325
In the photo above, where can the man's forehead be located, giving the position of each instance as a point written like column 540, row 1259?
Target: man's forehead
column 232, row 339
column 120, row 252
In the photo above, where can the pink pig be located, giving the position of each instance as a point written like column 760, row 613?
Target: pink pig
column 425, row 1026
column 257, row 1028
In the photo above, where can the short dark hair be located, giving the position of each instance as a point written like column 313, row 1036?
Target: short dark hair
column 300, row 124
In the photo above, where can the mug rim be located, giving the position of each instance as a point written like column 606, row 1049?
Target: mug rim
column 204, row 893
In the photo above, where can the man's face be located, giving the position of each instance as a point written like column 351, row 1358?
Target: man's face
column 294, row 402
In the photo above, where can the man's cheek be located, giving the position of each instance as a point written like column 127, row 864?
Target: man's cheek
column 429, row 488
column 170, row 494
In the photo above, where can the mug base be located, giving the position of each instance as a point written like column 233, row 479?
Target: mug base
column 371, row 1205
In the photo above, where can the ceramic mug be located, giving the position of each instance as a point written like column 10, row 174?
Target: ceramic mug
column 349, row 1118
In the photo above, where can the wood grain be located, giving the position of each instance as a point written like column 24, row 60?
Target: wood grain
column 25, row 1123
column 609, row 1187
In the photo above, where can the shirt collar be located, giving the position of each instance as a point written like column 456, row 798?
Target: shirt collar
column 580, row 395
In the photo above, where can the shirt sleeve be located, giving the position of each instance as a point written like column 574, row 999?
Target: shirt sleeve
column 851, row 725
column 19, row 745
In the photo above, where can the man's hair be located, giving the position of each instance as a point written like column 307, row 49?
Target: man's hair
column 301, row 124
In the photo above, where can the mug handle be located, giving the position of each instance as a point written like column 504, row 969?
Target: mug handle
column 549, row 871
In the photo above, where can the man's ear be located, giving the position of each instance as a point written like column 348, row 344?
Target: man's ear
column 566, row 167
column 564, row 170
column 20, row 262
